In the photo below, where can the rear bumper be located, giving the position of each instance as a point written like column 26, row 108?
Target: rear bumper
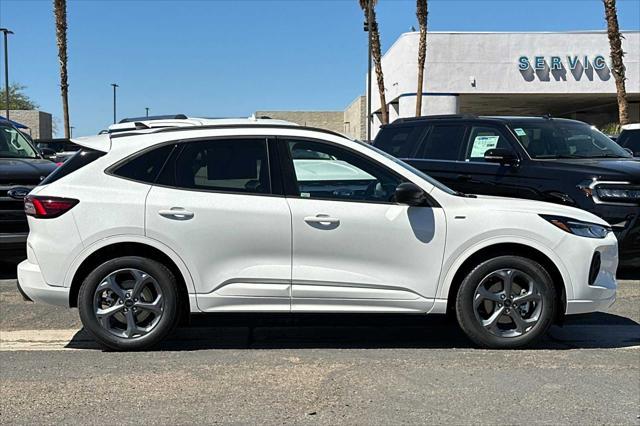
column 33, row 285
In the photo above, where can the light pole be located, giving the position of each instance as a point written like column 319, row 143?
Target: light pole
column 114, row 101
column 367, row 28
column 71, row 131
column 147, row 111
column 6, row 32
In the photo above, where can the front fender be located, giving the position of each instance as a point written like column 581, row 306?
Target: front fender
column 452, row 264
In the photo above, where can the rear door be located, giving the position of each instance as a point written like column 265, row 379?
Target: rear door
column 218, row 205
column 440, row 153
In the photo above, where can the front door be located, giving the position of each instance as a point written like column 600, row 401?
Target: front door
column 353, row 247
column 216, row 207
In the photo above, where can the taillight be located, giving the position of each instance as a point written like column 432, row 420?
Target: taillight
column 47, row 207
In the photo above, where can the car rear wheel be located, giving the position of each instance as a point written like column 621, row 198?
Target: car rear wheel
column 506, row 302
column 129, row 303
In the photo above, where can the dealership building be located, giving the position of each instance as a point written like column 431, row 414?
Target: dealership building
column 563, row 74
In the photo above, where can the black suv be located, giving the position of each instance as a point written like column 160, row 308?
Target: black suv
column 21, row 168
column 543, row 158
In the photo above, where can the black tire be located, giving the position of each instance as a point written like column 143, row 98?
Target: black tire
column 470, row 321
column 166, row 283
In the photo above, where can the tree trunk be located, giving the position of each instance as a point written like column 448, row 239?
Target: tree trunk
column 617, row 64
column 377, row 61
column 60, row 11
column 421, row 12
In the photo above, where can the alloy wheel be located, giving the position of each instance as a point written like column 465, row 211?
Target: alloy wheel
column 128, row 303
column 507, row 303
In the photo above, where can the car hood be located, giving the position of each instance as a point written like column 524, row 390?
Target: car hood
column 521, row 205
column 627, row 169
column 24, row 170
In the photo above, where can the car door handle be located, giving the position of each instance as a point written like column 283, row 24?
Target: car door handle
column 176, row 213
column 322, row 219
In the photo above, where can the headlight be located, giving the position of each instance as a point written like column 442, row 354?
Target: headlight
column 618, row 193
column 577, row 227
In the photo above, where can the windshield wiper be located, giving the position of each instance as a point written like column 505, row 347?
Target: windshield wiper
column 609, row 156
column 562, row 156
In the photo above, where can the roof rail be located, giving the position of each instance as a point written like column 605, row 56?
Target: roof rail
column 154, row 117
column 435, row 117
column 229, row 126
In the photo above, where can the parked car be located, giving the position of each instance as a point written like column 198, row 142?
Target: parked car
column 143, row 227
column 57, row 150
column 630, row 138
column 541, row 158
column 21, row 168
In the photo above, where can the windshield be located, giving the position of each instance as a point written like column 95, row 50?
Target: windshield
column 13, row 144
column 565, row 139
column 413, row 170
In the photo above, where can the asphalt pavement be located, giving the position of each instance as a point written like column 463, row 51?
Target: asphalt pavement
column 325, row 369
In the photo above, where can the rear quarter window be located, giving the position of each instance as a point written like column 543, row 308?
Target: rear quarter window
column 399, row 141
column 144, row 167
column 77, row 161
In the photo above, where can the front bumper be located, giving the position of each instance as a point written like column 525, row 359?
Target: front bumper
column 584, row 296
column 33, row 285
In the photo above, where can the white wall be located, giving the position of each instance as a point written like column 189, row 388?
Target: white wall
column 492, row 60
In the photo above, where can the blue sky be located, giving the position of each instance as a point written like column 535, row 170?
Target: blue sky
column 232, row 57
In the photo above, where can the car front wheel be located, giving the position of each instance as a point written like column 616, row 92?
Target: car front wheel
column 129, row 303
column 506, row 302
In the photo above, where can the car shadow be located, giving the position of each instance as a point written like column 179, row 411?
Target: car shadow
column 363, row 331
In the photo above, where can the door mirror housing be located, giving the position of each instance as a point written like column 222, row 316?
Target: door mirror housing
column 501, row 156
column 48, row 153
column 411, row 194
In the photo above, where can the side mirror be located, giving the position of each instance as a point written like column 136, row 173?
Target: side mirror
column 630, row 152
column 48, row 153
column 501, row 156
column 410, row 194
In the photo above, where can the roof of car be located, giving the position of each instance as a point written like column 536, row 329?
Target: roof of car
column 500, row 118
column 632, row 126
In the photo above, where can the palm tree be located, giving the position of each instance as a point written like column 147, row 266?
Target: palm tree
column 421, row 12
column 617, row 65
column 60, row 12
column 368, row 6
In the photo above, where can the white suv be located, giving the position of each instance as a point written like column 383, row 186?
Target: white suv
column 140, row 228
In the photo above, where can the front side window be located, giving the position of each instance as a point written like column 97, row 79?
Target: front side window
column 324, row 171
column 225, row 165
column 443, row 142
column 13, row 144
column 481, row 139
column 630, row 139
column 565, row 139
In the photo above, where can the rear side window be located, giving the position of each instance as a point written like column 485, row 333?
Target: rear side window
column 444, row 142
column 233, row 165
column 146, row 166
column 399, row 141
column 75, row 162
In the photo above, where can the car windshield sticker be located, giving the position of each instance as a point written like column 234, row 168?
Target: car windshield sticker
column 520, row 132
column 483, row 143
